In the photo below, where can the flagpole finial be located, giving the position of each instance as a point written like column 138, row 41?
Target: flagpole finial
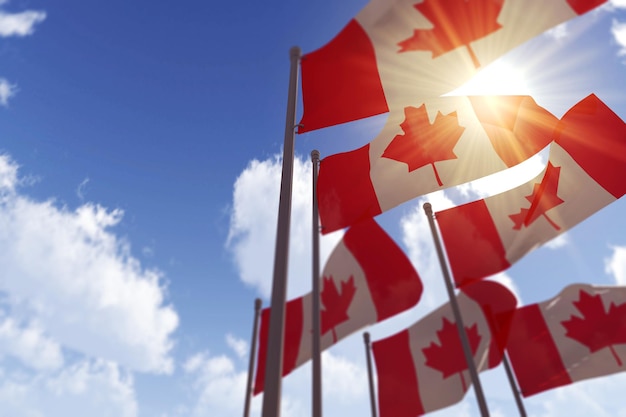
column 257, row 304
column 428, row 209
column 366, row 337
column 315, row 155
column 295, row 52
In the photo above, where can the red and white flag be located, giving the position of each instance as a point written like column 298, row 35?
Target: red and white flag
column 445, row 142
column 577, row 335
column 395, row 51
column 423, row 368
column 366, row 279
column 585, row 172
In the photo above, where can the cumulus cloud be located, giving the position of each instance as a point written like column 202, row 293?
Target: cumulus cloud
column 239, row 346
column 97, row 389
column 616, row 265
column 418, row 240
column 7, row 90
column 29, row 344
column 558, row 32
column 344, row 381
column 252, row 234
column 68, row 273
column 618, row 3
column 21, row 23
column 219, row 385
column 618, row 29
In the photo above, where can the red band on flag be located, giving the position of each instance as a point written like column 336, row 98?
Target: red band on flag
column 345, row 192
column 293, row 336
column 596, row 138
column 398, row 390
column 534, row 356
column 472, row 242
column 498, row 306
column 583, row 6
column 340, row 81
column 393, row 282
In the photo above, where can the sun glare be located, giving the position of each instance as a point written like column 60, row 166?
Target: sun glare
column 498, row 78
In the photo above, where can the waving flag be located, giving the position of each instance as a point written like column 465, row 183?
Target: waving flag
column 367, row 279
column 423, row 369
column 396, row 50
column 579, row 334
column 445, row 142
column 585, row 172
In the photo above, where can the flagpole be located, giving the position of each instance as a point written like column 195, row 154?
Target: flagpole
column 469, row 357
column 274, row 364
column 514, row 387
column 370, row 377
column 255, row 329
column 317, row 355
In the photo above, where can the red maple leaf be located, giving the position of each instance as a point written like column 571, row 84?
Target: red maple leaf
column 336, row 304
column 597, row 329
column 424, row 143
column 456, row 23
column 543, row 198
column 449, row 357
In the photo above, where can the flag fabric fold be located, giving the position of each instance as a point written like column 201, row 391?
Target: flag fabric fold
column 443, row 142
column 366, row 279
column 395, row 51
column 577, row 335
column 423, row 368
column 585, row 172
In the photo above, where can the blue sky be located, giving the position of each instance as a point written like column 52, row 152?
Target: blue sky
column 139, row 175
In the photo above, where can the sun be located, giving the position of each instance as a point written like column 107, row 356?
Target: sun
column 498, row 78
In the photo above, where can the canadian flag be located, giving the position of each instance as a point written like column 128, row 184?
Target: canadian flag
column 579, row 334
column 585, row 172
column 423, row 368
column 366, row 279
column 444, row 142
column 394, row 51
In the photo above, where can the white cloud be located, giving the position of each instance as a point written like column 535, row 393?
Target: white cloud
column 80, row 190
column 417, row 238
column 68, row 273
column 239, row 346
column 29, row 344
column 252, row 234
column 219, row 385
column 343, row 380
column 618, row 29
column 20, row 24
column 616, row 265
column 558, row 32
column 7, row 90
column 558, row 242
column 96, row 389
column 618, row 3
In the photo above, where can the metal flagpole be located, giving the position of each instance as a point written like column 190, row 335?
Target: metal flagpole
column 274, row 360
column 514, row 388
column 255, row 329
column 370, row 377
column 317, row 350
column 469, row 357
